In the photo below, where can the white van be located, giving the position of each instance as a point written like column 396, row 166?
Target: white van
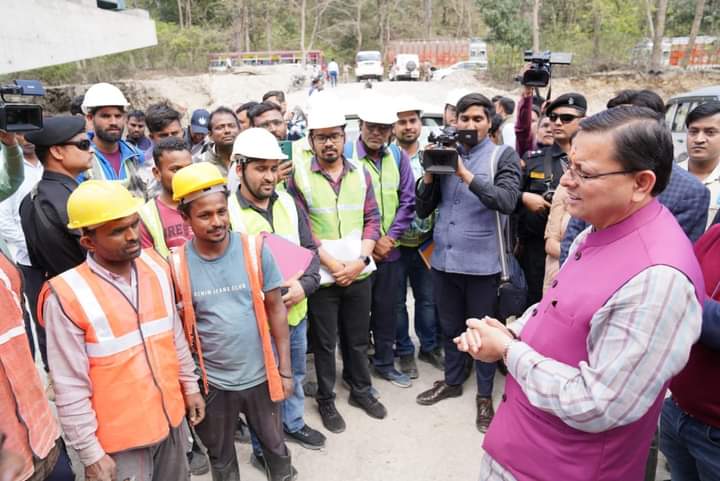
column 677, row 109
column 368, row 65
column 405, row 67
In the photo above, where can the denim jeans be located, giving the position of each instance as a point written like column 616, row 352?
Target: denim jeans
column 293, row 407
column 691, row 447
column 426, row 321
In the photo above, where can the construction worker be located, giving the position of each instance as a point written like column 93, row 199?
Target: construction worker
column 162, row 225
column 105, row 107
column 257, row 207
column 394, row 186
column 338, row 195
column 233, row 313
column 124, row 376
column 27, row 425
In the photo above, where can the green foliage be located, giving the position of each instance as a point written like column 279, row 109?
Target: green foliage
column 505, row 22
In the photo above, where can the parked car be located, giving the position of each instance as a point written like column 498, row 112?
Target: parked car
column 467, row 65
column 677, row 109
column 405, row 67
column 368, row 65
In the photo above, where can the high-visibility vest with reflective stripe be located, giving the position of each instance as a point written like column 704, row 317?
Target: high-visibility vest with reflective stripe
column 25, row 415
column 133, row 363
column 252, row 250
column 333, row 216
column 285, row 220
column 150, row 216
column 386, row 183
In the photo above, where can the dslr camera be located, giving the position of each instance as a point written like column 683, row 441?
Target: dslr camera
column 443, row 159
column 20, row 117
column 538, row 75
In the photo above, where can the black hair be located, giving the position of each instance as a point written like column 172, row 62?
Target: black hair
column 222, row 110
column 261, row 108
column 159, row 116
column 76, row 105
column 136, row 114
column 638, row 98
column 495, row 123
column 168, row 144
column 495, row 98
column 246, row 106
column 184, row 207
column 507, row 104
column 538, row 100
column 471, row 100
column 274, row 93
column 642, row 140
column 42, row 153
column 702, row 111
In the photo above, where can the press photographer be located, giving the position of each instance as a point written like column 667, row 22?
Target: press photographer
column 466, row 258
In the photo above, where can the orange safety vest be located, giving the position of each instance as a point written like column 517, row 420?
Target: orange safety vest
column 252, row 247
column 25, row 415
column 134, row 368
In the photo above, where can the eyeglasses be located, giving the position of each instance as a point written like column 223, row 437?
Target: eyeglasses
column 581, row 177
column 564, row 118
column 323, row 139
column 80, row 144
column 378, row 127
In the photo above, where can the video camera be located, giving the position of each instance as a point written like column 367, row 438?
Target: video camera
column 444, row 158
column 16, row 117
column 538, row 75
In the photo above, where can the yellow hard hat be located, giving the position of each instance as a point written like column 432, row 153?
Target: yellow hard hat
column 196, row 178
column 95, row 202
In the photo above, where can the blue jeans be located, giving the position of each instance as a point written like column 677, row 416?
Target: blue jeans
column 691, row 447
column 426, row 322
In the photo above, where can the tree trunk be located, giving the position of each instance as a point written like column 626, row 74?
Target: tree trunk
column 536, row 26
column 188, row 13
column 656, row 61
column 181, row 16
column 597, row 28
column 303, row 21
column 428, row 4
column 651, row 24
column 358, row 23
column 699, row 10
column 246, row 25
column 268, row 25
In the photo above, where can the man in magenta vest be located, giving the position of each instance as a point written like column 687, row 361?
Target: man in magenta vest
column 589, row 364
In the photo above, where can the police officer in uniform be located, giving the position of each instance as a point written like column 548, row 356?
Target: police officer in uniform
column 65, row 152
column 541, row 176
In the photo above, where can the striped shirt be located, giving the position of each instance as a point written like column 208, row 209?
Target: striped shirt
column 638, row 340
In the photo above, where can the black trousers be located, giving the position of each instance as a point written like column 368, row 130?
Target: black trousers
column 383, row 314
column 217, row 430
column 34, row 280
column 532, row 261
column 344, row 313
column 459, row 297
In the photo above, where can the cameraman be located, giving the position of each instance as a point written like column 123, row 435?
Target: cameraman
column 541, row 176
column 466, row 258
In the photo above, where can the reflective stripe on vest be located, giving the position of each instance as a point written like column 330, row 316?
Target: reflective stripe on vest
column 386, row 183
column 285, row 217
column 26, row 418
column 128, row 343
column 150, row 216
column 333, row 216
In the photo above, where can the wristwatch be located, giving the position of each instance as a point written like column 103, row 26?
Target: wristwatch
column 365, row 259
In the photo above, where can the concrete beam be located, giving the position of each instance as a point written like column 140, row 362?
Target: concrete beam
column 40, row 33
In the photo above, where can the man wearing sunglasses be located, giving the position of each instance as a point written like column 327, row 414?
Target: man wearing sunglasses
column 65, row 152
column 541, row 176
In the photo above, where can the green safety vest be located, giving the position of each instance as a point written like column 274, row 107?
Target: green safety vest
column 386, row 183
column 151, row 218
column 285, row 217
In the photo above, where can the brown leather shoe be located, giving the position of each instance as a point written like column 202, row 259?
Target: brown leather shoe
column 485, row 413
column 438, row 392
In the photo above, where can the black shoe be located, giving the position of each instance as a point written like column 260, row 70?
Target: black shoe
column 331, row 418
column 258, row 462
column 438, row 392
column 408, row 366
column 434, row 358
column 310, row 388
column 370, row 405
column 242, row 432
column 199, row 463
column 485, row 413
column 502, row 367
column 307, row 437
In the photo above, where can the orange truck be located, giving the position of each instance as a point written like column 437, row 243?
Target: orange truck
column 440, row 53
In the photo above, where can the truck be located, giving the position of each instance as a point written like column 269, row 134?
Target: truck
column 438, row 53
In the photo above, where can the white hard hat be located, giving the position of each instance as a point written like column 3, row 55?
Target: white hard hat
column 378, row 111
column 103, row 95
column 257, row 143
column 325, row 115
column 454, row 96
column 407, row 104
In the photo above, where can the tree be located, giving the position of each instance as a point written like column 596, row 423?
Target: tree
column 657, row 52
column 536, row 25
column 697, row 20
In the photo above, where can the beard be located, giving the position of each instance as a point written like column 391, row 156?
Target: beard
column 106, row 136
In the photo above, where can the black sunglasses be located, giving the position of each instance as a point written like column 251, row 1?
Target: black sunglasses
column 80, row 144
column 564, row 118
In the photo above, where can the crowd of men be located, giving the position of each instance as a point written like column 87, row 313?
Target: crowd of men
column 177, row 280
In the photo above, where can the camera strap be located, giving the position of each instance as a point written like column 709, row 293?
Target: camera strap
column 548, row 174
column 504, row 270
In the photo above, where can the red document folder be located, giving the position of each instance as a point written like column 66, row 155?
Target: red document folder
column 290, row 257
